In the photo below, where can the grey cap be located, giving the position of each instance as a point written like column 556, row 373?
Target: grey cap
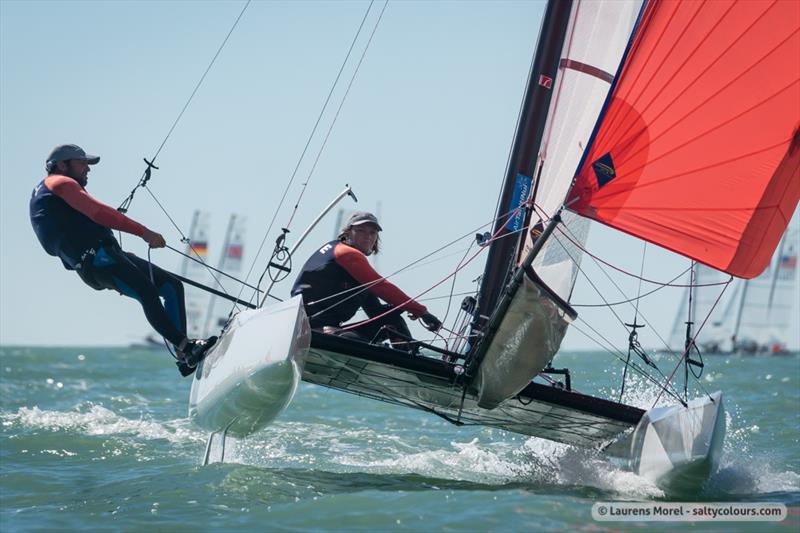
column 362, row 217
column 65, row 152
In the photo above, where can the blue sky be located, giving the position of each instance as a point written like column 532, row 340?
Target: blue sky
column 425, row 131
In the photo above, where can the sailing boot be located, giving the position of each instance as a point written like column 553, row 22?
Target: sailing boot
column 196, row 351
column 185, row 369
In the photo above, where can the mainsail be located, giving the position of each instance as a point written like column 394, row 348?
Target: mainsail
column 698, row 150
column 531, row 322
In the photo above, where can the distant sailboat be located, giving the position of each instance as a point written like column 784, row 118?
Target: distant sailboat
column 196, row 250
column 230, row 261
column 755, row 316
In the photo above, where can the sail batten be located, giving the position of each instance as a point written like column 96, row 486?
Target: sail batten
column 695, row 151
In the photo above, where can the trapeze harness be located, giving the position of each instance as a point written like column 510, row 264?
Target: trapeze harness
column 76, row 228
column 337, row 281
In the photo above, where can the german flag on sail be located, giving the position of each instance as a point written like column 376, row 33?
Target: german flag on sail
column 200, row 248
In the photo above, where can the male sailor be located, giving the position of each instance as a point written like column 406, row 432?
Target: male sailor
column 76, row 228
column 338, row 280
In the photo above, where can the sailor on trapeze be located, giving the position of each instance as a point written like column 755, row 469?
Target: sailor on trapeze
column 75, row 227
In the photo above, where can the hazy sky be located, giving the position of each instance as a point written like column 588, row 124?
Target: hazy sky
column 425, row 132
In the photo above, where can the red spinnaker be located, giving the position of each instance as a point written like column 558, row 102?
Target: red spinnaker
column 699, row 148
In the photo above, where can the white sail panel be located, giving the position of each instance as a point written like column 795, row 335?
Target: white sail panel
column 596, row 40
column 531, row 331
column 197, row 249
column 231, row 262
column 767, row 302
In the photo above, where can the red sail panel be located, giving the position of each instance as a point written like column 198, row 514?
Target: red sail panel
column 699, row 148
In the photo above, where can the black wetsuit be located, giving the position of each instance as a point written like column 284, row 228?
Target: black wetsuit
column 74, row 227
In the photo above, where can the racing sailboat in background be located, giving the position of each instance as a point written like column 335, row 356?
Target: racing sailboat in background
column 667, row 121
column 230, row 261
column 203, row 317
column 759, row 315
column 196, row 250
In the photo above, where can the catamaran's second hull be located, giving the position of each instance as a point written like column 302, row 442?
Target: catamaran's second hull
column 676, row 447
column 433, row 385
column 252, row 373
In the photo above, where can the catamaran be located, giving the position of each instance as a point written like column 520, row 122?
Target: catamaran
column 668, row 121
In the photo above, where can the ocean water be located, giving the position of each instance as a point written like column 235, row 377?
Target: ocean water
column 98, row 439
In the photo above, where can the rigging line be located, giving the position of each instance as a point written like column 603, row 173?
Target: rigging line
column 633, row 341
column 412, row 264
column 237, row 280
column 694, row 338
column 630, row 300
column 430, row 298
column 639, row 289
column 513, row 213
column 129, row 200
column 308, row 142
column 338, row 110
column 453, row 284
column 199, row 259
column 599, row 293
column 698, row 383
column 664, row 387
column 210, row 271
column 655, row 330
column 606, row 263
column 476, row 254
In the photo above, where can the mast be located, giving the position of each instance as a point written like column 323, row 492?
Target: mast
column 528, row 137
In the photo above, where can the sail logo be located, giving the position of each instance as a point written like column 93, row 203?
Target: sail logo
column 522, row 189
column 546, row 81
column 604, row 170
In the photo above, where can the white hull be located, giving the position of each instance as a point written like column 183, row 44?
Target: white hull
column 252, row 373
column 677, row 447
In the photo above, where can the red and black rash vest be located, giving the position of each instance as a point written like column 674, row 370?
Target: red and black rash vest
column 68, row 221
column 333, row 282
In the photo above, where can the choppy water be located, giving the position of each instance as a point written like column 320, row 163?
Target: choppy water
column 98, row 439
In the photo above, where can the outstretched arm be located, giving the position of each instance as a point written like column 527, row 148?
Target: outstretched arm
column 76, row 197
column 356, row 264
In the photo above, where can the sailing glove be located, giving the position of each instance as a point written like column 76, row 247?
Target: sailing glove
column 430, row 322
